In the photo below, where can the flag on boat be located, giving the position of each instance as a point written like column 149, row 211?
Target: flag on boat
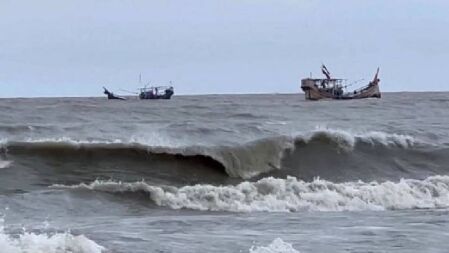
column 325, row 72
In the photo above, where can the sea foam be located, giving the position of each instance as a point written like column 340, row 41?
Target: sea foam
column 277, row 246
column 5, row 164
column 290, row 195
column 28, row 242
column 348, row 139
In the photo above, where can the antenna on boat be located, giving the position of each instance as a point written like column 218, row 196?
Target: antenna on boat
column 140, row 78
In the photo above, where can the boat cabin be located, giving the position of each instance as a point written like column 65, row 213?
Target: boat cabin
column 332, row 86
column 156, row 92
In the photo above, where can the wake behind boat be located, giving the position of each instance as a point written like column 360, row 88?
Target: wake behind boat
column 332, row 88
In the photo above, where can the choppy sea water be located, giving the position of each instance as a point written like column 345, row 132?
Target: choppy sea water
column 225, row 173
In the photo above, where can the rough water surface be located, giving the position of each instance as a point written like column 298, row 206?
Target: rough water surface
column 225, row 173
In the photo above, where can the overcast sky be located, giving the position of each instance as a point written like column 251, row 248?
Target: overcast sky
column 73, row 48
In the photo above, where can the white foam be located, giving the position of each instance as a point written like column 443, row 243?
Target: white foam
column 149, row 139
column 400, row 140
column 28, row 242
column 348, row 139
column 290, row 195
column 277, row 246
column 67, row 141
column 5, row 164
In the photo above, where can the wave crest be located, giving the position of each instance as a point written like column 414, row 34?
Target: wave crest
column 348, row 140
column 290, row 195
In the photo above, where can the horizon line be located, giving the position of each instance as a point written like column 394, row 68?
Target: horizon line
column 217, row 94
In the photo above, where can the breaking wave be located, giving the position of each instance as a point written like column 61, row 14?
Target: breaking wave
column 348, row 140
column 277, row 246
column 46, row 243
column 5, row 164
column 240, row 160
column 289, row 195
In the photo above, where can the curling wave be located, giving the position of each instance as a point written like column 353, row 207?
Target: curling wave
column 240, row 160
column 290, row 195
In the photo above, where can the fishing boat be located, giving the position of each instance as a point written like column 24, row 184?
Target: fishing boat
column 332, row 88
column 156, row 92
column 152, row 92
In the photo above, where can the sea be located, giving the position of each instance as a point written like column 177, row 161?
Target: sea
column 225, row 173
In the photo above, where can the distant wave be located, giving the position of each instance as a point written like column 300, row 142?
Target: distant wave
column 289, row 195
column 240, row 160
column 57, row 243
column 277, row 246
column 13, row 129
